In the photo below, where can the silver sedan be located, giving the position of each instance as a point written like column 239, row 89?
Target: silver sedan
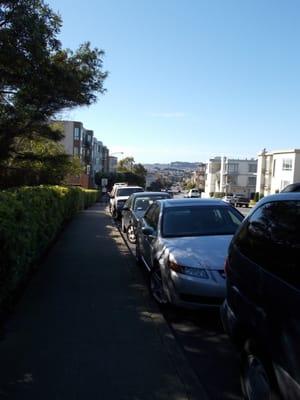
column 183, row 243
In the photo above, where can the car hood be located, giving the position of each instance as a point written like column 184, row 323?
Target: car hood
column 200, row 251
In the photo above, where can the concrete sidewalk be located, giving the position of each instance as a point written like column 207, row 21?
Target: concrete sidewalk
column 86, row 327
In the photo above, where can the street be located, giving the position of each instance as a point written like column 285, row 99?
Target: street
column 206, row 346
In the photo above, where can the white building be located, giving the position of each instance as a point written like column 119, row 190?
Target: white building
column 228, row 175
column 277, row 169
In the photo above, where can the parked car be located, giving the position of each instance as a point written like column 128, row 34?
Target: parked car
column 135, row 208
column 119, row 198
column 113, row 192
column 228, row 199
column 261, row 312
column 293, row 187
column 193, row 193
column 240, row 201
column 183, row 243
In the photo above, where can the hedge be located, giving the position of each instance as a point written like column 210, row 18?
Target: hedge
column 30, row 218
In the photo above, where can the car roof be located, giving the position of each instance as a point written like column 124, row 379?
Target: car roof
column 292, row 187
column 129, row 187
column 145, row 194
column 280, row 197
column 193, row 202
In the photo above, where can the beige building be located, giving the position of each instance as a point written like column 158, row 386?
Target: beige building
column 277, row 169
column 229, row 176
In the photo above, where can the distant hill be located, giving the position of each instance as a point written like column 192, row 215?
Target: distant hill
column 182, row 165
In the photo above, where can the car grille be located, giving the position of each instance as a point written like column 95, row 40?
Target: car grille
column 202, row 299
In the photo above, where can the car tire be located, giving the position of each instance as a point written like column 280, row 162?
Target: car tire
column 156, row 286
column 257, row 380
column 114, row 213
column 131, row 236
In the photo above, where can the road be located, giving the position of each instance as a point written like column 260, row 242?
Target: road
column 206, row 346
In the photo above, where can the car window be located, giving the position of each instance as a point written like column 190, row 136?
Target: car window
column 152, row 215
column 126, row 191
column 271, row 239
column 142, row 203
column 128, row 202
column 200, row 221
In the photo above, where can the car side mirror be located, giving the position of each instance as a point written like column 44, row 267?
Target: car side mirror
column 147, row 231
column 125, row 208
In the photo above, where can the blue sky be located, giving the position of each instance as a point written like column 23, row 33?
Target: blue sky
column 191, row 79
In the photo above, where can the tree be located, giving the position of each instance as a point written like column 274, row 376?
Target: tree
column 129, row 177
column 140, row 170
column 125, row 165
column 132, row 173
column 39, row 78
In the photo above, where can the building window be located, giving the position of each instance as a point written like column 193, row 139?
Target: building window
column 251, row 180
column 252, row 168
column 233, row 168
column 287, row 164
column 76, row 151
column 232, row 180
column 76, row 133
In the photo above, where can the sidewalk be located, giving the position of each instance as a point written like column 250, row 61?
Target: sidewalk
column 86, row 327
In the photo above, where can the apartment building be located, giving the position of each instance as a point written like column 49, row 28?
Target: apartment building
column 277, row 169
column 229, row 175
column 112, row 163
column 97, row 155
column 80, row 142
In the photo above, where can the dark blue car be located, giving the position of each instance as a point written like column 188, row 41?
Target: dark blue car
column 261, row 312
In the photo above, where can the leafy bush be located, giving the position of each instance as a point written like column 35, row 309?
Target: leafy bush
column 30, row 218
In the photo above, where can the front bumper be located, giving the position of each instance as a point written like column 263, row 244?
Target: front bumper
column 192, row 292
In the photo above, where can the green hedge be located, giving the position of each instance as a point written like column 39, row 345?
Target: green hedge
column 30, row 218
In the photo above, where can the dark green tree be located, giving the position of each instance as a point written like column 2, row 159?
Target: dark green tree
column 39, row 78
column 140, row 170
column 126, row 164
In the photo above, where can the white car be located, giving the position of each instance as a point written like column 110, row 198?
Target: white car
column 119, row 197
column 194, row 193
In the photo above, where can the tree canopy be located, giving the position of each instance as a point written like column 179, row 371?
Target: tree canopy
column 128, row 164
column 38, row 77
column 127, row 171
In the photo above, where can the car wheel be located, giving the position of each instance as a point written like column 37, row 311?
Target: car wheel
column 131, row 234
column 114, row 213
column 156, row 286
column 256, row 380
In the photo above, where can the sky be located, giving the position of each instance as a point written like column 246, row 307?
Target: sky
column 190, row 79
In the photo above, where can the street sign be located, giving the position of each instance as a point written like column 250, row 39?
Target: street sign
column 104, row 182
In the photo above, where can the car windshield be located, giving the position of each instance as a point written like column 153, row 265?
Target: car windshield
column 200, row 221
column 126, row 191
column 142, row 203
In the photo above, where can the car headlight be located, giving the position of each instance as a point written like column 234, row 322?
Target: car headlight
column 191, row 271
